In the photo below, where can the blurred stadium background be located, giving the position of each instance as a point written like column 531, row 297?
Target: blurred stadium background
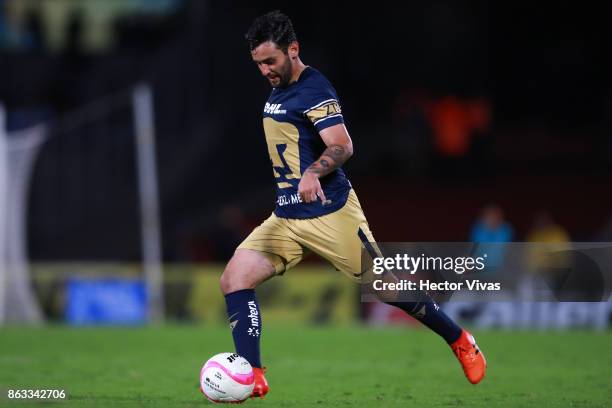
column 132, row 148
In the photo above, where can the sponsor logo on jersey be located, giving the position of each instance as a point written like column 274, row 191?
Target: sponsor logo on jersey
column 274, row 109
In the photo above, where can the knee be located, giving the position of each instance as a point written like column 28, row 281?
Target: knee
column 228, row 281
column 234, row 279
column 246, row 270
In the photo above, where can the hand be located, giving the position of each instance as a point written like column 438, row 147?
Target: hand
column 310, row 188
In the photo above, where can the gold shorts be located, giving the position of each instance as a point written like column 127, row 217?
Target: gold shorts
column 337, row 237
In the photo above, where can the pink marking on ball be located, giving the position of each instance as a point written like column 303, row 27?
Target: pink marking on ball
column 244, row 379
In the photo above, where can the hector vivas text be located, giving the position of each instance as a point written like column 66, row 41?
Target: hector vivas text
column 412, row 265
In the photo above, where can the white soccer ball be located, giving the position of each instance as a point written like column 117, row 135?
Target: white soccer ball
column 227, row 377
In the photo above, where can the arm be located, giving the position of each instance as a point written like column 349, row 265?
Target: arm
column 339, row 149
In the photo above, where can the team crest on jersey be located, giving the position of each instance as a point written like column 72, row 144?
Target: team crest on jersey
column 324, row 110
column 274, row 109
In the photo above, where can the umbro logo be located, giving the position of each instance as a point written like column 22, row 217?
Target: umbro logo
column 274, row 109
column 421, row 313
column 233, row 323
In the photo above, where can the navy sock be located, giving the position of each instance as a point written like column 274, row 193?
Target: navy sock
column 245, row 321
column 430, row 314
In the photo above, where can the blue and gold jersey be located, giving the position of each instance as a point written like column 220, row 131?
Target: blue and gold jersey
column 292, row 119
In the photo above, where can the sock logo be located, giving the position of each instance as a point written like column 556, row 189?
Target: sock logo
column 253, row 332
column 254, row 314
column 420, row 314
column 233, row 323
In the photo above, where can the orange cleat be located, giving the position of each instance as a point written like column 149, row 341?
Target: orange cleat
column 261, row 384
column 471, row 358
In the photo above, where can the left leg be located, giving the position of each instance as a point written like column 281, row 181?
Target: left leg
column 461, row 341
column 340, row 237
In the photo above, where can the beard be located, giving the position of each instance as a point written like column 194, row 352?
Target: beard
column 284, row 76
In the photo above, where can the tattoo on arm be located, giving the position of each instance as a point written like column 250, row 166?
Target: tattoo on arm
column 332, row 158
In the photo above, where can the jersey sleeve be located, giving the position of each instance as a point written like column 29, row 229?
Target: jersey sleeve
column 323, row 109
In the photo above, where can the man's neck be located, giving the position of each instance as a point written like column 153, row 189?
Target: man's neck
column 298, row 68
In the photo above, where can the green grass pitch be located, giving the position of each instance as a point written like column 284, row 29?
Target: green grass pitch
column 308, row 367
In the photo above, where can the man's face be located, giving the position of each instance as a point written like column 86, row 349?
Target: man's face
column 273, row 63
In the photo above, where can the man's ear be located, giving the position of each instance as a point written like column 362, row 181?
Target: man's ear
column 293, row 50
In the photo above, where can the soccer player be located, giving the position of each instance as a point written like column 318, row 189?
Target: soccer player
column 316, row 207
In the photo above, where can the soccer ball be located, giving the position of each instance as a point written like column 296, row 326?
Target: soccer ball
column 227, row 377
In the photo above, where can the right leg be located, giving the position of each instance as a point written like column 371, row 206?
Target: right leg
column 267, row 251
column 244, row 272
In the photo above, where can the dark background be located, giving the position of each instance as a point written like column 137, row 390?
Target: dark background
column 537, row 73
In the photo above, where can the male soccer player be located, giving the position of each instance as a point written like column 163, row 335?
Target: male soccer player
column 316, row 208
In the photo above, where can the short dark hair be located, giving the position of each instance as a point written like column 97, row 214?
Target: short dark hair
column 273, row 26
